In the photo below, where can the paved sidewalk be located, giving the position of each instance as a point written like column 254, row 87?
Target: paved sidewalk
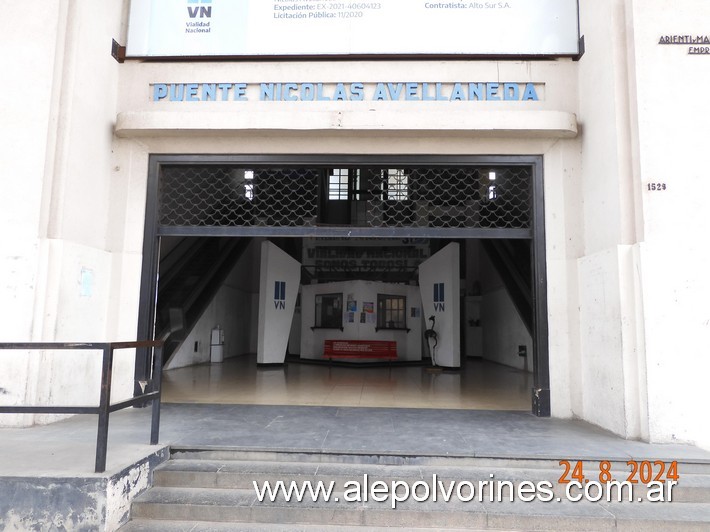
column 67, row 448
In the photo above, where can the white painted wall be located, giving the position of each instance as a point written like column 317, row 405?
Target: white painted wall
column 294, row 337
column 564, row 233
column 602, row 341
column 276, row 316
column 233, row 308
column 504, row 332
column 642, row 295
column 605, row 269
column 503, row 329
column 671, row 111
column 24, row 135
column 60, row 188
column 230, row 309
column 443, row 267
column 409, row 344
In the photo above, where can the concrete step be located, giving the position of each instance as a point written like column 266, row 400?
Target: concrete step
column 218, row 454
column 242, row 506
column 203, row 490
column 142, row 525
column 240, row 474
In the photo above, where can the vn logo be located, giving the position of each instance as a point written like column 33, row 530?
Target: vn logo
column 439, row 297
column 280, row 295
column 201, row 11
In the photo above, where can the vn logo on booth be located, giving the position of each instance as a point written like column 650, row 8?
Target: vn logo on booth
column 195, row 11
column 439, row 297
column 280, row 295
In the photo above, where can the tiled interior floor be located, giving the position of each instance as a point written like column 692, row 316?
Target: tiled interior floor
column 478, row 385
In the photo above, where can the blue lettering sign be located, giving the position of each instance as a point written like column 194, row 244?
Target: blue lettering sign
column 380, row 93
column 357, row 90
column 288, row 90
column 529, row 93
column 458, row 94
column 426, row 97
column 340, row 93
column 160, row 91
column 240, row 92
column 224, row 89
column 266, row 92
column 411, row 94
column 511, row 92
column 322, row 97
column 191, row 92
column 177, row 90
column 395, row 90
column 492, row 92
column 308, row 92
column 476, row 91
column 209, row 92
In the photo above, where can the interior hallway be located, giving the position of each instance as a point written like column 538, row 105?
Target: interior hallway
column 479, row 385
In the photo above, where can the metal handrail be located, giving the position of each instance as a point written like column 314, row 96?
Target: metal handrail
column 105, row 407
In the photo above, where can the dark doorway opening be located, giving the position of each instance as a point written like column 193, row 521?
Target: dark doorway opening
column 491, row 204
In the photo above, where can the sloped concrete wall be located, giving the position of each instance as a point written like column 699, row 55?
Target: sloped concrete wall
column 94, row 502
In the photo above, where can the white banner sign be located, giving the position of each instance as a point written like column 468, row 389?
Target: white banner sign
column 363, row 255
column 173, row 28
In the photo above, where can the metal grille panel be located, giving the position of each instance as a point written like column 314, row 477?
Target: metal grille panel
column 452, row 197
column 462, row 197
column 228, row 196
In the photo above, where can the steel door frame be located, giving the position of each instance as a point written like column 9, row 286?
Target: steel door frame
column 153, row 232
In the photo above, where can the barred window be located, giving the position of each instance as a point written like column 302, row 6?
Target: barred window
column 397, row 183
column 338, row 184
column 249, row 184
column 391, row 311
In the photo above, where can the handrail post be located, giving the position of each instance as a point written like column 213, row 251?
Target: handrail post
column 157, row 386
column 105, row 407
column 105, row 402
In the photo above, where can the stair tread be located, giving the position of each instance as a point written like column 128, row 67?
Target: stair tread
column 338, row 469
column 288, row 471
column 282, row 456
column 247, row 498
column 205, row 496
column 147, row 525
column 204, row 492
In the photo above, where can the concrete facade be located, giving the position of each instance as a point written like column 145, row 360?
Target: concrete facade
column 620, row 134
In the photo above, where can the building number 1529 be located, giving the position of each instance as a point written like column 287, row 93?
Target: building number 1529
column 656, row 186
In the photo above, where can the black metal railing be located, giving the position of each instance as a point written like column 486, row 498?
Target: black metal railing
column 105, row 407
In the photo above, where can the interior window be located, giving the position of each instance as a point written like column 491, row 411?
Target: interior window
column 391, row 312
column 329, row 311
column 338, row 184
column 397, row 183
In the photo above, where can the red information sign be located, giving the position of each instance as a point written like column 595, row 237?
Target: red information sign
column 359, row 349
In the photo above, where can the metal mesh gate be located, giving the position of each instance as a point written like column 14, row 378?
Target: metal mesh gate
column 495, row 197
column 227, row 196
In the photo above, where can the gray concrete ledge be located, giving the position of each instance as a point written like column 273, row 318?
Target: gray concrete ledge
column 79, row 502
column 473, row 122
